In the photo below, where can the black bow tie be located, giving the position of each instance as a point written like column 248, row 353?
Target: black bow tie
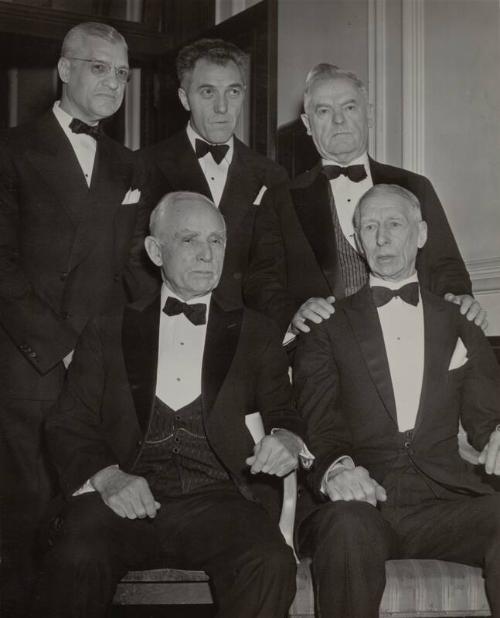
column 356, row 173
column 195, row 313
column 218, row 150
column 78, row 126
column 408, row 293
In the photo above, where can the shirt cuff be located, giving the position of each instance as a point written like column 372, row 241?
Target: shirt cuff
column 87, row 487
column 339, row 465
column 289, row 335
column 306, row 458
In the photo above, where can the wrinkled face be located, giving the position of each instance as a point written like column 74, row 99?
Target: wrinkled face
column 214, row 95
column 190, row 249
column 390, row 236
column 337, row 119
column 88, row 96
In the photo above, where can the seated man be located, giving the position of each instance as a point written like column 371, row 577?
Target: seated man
column 150, row 441
column 383, row 385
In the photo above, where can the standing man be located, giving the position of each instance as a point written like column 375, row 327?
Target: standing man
column 150, row 438
column 207, row 157
column 305, row 249
column 383, row 385
column 70, row 236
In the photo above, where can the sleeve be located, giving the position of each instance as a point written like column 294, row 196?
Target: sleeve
column 317, row 393
column 41, row 335
column 265, row 286
column 75, row 436
column 439, row 262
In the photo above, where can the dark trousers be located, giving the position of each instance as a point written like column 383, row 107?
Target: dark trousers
column 27, row 485
column 349, row 543
column 251, row 568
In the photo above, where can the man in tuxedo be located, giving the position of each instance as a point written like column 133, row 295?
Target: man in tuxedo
column 305, row 253
column 208, row 158
column 150, row 438
column 383, row 385
column 71, row 233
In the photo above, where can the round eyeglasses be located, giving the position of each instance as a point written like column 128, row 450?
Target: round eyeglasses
column 101, row 68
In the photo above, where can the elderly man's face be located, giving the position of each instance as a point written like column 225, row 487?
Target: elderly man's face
column 337, row 119
column 390, row 235
column 214, row 96
column 87, row 95
column 191, row 248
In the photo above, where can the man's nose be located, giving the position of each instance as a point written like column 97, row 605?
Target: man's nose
column 338, row 116
column 382, row 236
column 205, row 253
column 112, row 80
column 220, row 104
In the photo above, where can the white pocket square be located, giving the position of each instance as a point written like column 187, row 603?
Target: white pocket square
column 260, row 195
column 131, row 197
column 459, row 356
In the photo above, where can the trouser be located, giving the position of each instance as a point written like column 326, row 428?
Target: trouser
column 349, row 543
column 251, row 568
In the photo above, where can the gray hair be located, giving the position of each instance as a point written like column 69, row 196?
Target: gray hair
column 76, row 36
column 324, row 72
column 216, row 51
column 382, row 189
column 170, row 200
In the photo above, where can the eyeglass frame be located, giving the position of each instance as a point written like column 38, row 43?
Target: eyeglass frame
column 106, row 64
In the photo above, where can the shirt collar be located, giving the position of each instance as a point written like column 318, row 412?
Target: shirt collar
column 63, row 117
column 166, row 292
column 361, row 160
column 392, row 285
column 193, row 136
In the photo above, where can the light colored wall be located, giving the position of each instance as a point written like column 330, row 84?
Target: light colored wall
column 312, row 31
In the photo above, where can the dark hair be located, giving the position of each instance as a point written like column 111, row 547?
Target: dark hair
column 216, row 51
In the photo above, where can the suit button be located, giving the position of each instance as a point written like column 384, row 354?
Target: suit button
column 177, row 440
column 139, row 443
column 237, row 276
column 32, row 354
column 175, row 450
column 63, row 276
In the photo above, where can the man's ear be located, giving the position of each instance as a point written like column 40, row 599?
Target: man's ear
column 153, row 249
column 422, row 234
column 63, row 68
column 305, row 119
column 183, row 98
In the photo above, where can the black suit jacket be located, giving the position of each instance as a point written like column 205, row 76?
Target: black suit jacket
column 295, row 255
column 66, row 250
column 106, row 404
column 344, row 392
column 178, row 170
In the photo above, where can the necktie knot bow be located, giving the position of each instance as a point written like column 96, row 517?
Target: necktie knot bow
column 195, row 313
column 355, row 173
column 218, row 151
column 78, row 126
column 408, row 293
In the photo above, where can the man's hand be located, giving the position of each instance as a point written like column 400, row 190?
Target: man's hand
column 355, row 484
column 127, row 495
column 277, row 454
column 316, row 310
column 490, row 455
column 470, row 308
column 68, row 358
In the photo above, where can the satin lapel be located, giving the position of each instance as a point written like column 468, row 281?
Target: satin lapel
column 52, row 155
column 241, row 188
column 438, row 339
column 312, row 203
column 363, row 316
column 184, row 172
column 141, row 322
column 223, row 332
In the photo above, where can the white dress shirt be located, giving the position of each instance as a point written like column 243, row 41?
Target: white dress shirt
column 216, row 174
column 180, row 354
column 347, row 193
column 403, row 331
column 84, row 145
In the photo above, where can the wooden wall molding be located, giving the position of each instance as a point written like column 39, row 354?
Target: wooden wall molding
column 485, row 275
column 377, row 77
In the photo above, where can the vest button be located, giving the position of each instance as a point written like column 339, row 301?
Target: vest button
column 407, row 444
column 175, row 450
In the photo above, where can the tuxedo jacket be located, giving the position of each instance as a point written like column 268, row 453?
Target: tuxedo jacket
column 295, row 253
column 178, row 170
column 345, row 394
column 106, row 404
column 67, row 250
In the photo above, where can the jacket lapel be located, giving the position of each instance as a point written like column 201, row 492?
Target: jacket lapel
column 363, row 316
column 141, row 322
column 223, row 332
column 438, row 340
